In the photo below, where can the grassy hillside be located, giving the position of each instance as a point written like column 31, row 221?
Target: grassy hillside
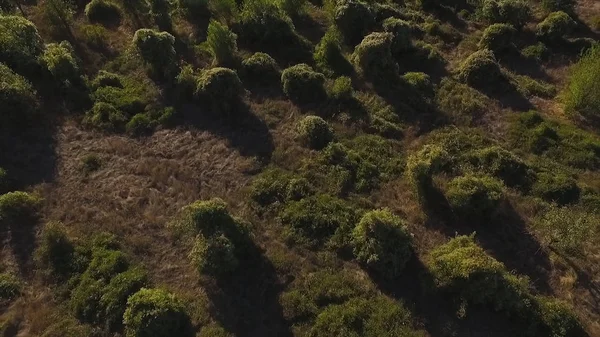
column 300, row 168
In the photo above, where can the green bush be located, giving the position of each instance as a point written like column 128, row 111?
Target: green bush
column 60, row 60
column 104, row 116
column 157, row 49
column 341, row 90
column 354, row 19
column 139, row 125
column 85, row 300
column 555, row 26
column 20, row 44
column 554, row 318
column 104, row 11
column 214, row 256
column 460, row 102
column 186, row 82
column 474, row 197
column 10, row 287
column 275, row 186
column 56, row 253
column 567, row 229
column 261, row 67
column 559, row 5
column 376, row 317
column 582, row 94
column 156, row 313
column 264, row 23
column 382, row 242
column 503, row 165
column 498, row 37
column 222, row 43
column 319, row 219
column 315, row 132
column 95, row 36
column 302, row 84
column 421, row 166
column 481, row 70
column 17, row 208
column 556, row 187
column 66, row 327
column 222, row 89
column 373, row 57
column 18, row 99
column 115, row 294
column 128, row 100
column 514, row 12
column 107, row 79
column 328, row 55
column 537, row 52
column 421, row 82
column 293, row 8
column 401, row 42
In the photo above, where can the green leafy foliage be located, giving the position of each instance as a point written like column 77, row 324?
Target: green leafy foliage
column 207, row 217
column 293, row 8
column 276, row 187
column 498, row 37
column 104, row 116
column 502, row 164
column 460, row 102
column 10, row 287
column 328, row 55
column 263, row 22
column 421, row 166
column 104, row 11
column 20, row 43
column 514, row 12
column 18, row 99
column 401, row 29
column 474, row 197
column 261, row 68
column 373, row 57
column 481, row 70
column 56, row 254
column 115, row 294
column 60, row 60
column 353, row 19
column 567, row 228
column 107, row 79
column 320, row 219
column 221, row 89
column 302, row 84
column 558, row 188
column 18, row 208
column 156, row 313
column 382, row 242
column 555, row 26
column 582, row 94
column 157, row 49
column 139, row 125
column 214, row 256
column 315, row 132
column 420, row 82
column 222, row 43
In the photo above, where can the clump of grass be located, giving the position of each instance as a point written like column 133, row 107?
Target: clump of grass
column 582, row 94
column 91, row 163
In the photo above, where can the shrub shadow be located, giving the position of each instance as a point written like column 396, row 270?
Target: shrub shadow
column 245, row 132
column 247, row 302
column 508, row 95
column 516, row 62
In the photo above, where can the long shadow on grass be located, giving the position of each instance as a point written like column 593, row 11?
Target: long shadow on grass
column 247, row 302
column 244, row 130
column 504, row 235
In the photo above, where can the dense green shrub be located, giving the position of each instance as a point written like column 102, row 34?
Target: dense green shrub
column 341, row 90
column 373, row 56
column 10, row 287
column 421, row 166
column 107, row 79
column 186, row 82
column 105, row 116
column 275, row 186
column 474, row 197
column 156, row 313
column 156, row 48
column 555, row 26
column 263, row 22
column 556, row 187
column 66, row 327
column 261, row 67
column 328, row 55
column 375, row 317
column 481, row 70
column 139, row 125
column 498, row 37
column 60, row 60
column 222, row 89
column 537, row 52
column 382, row 242
column 460, row 102
column 554, row 318
column 319, row 219
column 462, row 268
column 302, row 84
column 559, row 5
column 354, row 19
column 85, row 300
column 95, row 36
column 20, row 43
column 503, row 165
column 17, row 208
column 315, row 132
column 421, row 82
column 104, row 11
column 128, row 100
column 17, row 98
column 206, row 217
column 583, row 91
column 401, row 42
column 115, row 294
column 514, row 12
column 222, row 43
column 55, row 252
column 214, row 256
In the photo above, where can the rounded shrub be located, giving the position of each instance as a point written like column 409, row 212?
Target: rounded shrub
column 342, row 90
column 503, row 165
column 498, row 37
column 208, row 217
column 156, row 48
column 115, row 294
column 373, row 56
column 354, row 19
column 421, row 166
column 558, row 188
column 18, row 208
column 222, row 43
column 583, row 90
column 328, row 55
column 156, row 313
column 382, row 242
column 107, row 79
column 401, row 30
column 474, row 197
column 105, row 116
column 221, row 88
column 261, row 67
column 60, row 60
column 20, row 44
column 514, row 12
column 555, row 26
column 481, row 70
column 139, row 125
column 104, row 11
column 264, row 23
column 17, row 98
column 302, row 84
column 315, row 132
column 10, row 287
column 420, row 81
column 214, row 256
